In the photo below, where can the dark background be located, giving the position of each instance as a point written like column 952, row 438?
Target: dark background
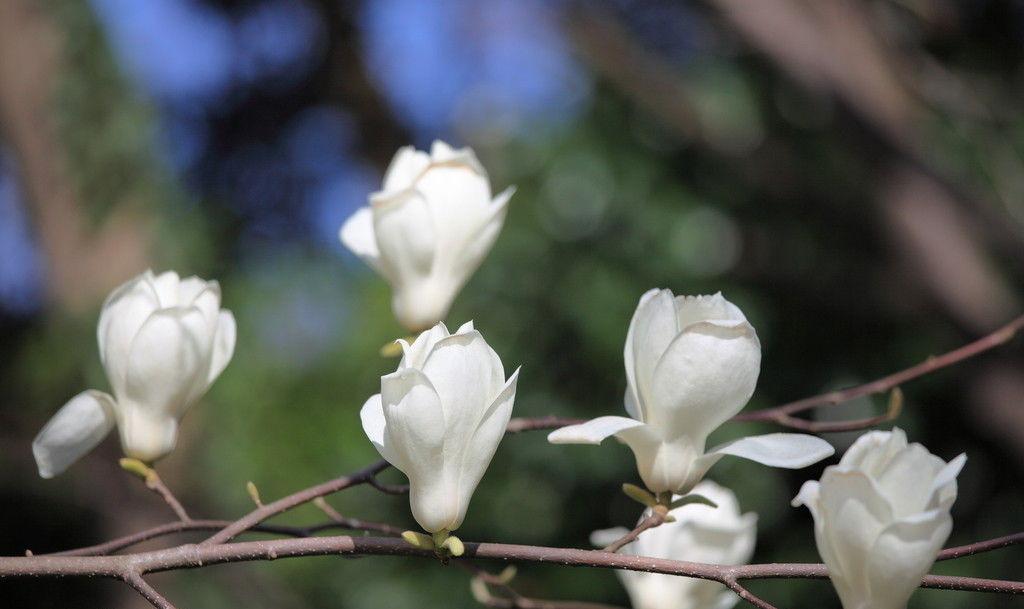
column 850, row 173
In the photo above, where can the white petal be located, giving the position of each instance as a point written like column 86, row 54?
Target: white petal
column 415, row 428
column 706, row 375
column 166, row 285
column 944, row 487
column 873, row 450
column 476, row 454
column 853, row 515
column 808, row 496
column 169, row 357
column 223, row 345
column 789, row 450
column 208, row 303
column 124, row 312
column 713, row 308
column 372, row 417
column 459, row 201
column 442, row 153
column 415, row 355
column 406, row 166
column 405, row 236
column 665, row 465
column 357, row 235
column 146, row 434
column 725, row 518
column 414, row 435
column 466, row 327
column 463, row 256
column 651, row 330
column 907, row 479
column 949, row 473
column 467, row 374
column 190, row 288
column 604, row 537
column 593, row 431
column 630, row 402
column 75, row 430
column 632, row 399
column 424, row 302
column 902, row 555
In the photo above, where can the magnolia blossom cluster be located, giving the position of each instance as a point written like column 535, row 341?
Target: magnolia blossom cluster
column 691, row 363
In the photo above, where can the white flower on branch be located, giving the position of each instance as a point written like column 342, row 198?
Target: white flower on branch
column 162, row 341
column 439, row 418
column 700, row 533
column 691, row 364
column 428, row 229
column 880, row 518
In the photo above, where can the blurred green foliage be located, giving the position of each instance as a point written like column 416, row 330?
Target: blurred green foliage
column 606, row 208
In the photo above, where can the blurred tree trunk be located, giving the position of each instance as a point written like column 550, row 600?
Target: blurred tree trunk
column 83, row 262
column 350, row 85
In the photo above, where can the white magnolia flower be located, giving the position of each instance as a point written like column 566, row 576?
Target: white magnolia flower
column 691, row 364
column 163, row 341
column 439, row 418
column 428, row 229
column 880, row 518
column 720, row 536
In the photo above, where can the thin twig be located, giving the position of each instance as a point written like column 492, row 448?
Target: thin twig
column 354, row 523
column 748, row 596
column 366, row 476
column 655, row 519
column 782, row 414
column 156, row 484
column 296, row 499
column 891, row 414
column 148, row 592
column 388, row 489
column 521, row 424
column 990, row 341
column 171, row 528
column 981, row 546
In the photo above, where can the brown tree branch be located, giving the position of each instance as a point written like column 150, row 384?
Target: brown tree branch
column 193, row 556
column 780, row 414
column 171, row 528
